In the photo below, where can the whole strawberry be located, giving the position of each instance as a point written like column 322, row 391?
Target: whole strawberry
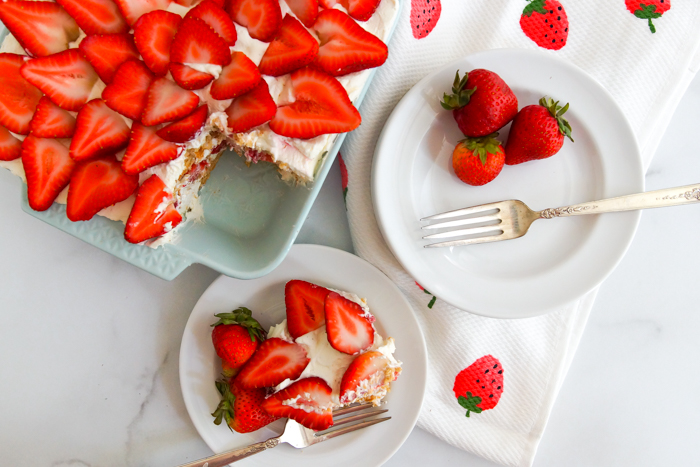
column 481, row 102
column 477, row 161
column 648, row 9
column 546, row 23
column 236, row 337
column 241, row 408
column 479, row 386
column 537, row 132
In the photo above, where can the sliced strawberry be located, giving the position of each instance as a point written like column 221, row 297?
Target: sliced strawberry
column 167, row 102
column 305, row 306
column 185, row 129
column 251, row 109
column 292, row 48
column 236, row 78
column 361, row 10
column 97, row 184
column 153, row 34
column 307, row 401
column 18, row 98
column 348, row 326
column 128, row 91
column 51, row 121
column 48, row 168
column 305, row 10
column 262, row 18
column 191, row 3
column 148, row 217
column 42, row 28
column 196, row 42
column 322, row 106
column 146, row 149
column 134, row 9
column 10, row 147
column 216, row 18
column 363, row 377
column 66, row 78
column 106, row 52
column 96, row 16
column 274, row 361
column 189, row 78
column 99, row 131
column 345, row 46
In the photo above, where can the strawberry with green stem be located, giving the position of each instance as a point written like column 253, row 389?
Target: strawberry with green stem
column 648, row 9
column 477, row 161
column 546, row 23
column 236, row 337
column 479, row 386
column 241, row 408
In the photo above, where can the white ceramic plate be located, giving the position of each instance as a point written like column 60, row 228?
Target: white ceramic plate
column 559, row 259
column 199, row 365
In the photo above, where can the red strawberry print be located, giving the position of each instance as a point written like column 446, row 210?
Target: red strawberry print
column 343, row 177
column 424, row 17
column 479, row 386
column 546, row 23
column 432, row 300
column 648, row 9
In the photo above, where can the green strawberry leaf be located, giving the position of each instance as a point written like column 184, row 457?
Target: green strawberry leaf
column 471, row 403
column 224, row 411
column 648, row 12
column 535, row 6
column 460, row 96
column 483, row 146
column 243, row 317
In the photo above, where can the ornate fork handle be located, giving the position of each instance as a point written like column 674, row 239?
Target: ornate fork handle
column 226, row 458
column 651, row 199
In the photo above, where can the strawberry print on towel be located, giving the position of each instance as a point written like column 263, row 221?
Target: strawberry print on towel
column 424, row 17
column 479, row 386
column 343, row 179
column 432, row 300
column 546, row 23
column 648, row 10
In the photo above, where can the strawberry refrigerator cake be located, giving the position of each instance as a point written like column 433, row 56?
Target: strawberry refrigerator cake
column 122, row 108
column 325, row 355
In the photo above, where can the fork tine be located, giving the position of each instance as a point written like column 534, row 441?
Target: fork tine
column 469, row 241
column 471, row 220
column 463, row 211
column 348, row 429
column 468, row 231
column 359, row 416
column 352, row 408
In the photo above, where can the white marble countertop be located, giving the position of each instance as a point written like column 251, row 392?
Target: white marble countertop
column 89, row 344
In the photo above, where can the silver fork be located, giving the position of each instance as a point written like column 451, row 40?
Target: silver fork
column 510, row 219
column 298, row 436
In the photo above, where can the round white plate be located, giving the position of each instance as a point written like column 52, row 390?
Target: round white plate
column 559, row 259
column 200, row 367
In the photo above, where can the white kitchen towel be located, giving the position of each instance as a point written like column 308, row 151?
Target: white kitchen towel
column 646, row 73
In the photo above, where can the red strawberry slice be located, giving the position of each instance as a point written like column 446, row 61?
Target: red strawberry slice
column 51, row 121
column 361, row 10
column 310, row 403
column 153, row 34
column 305, row 306
column 189, row 78
column 128, row 91
column 292, row 48
column 18, row 98
column 251, row 109
column 345, row 46
column 322, row 106
column 348, row 326
column 106, row 52
column 275, row 361
column 99, row 131
column 42, row 28
column 185, row 129
column 66, row 78
column 146, row 149
column 215, row 16
column 97, row 184
column 48, row 168
column 363, row 377
column 262, row 18
column 236, row 78
column 96, row 16
column 425, row 15
column 196, row 42
column 10, row 147
column 305, row 10
column 134, row 9
column 167, row 102
column 148, row 219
